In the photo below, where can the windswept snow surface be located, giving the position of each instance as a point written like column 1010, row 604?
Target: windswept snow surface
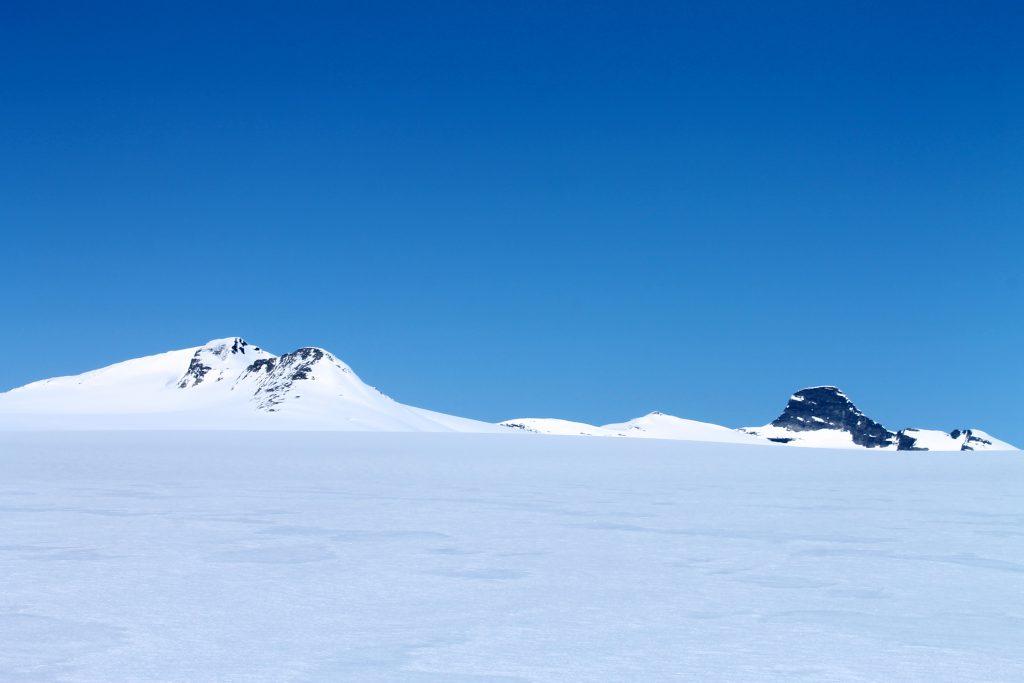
column 455, row 558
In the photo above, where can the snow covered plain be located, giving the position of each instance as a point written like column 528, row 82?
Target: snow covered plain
column 318, row 556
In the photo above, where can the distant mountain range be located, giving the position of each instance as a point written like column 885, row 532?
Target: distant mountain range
column 817, row 417
column 231, row 384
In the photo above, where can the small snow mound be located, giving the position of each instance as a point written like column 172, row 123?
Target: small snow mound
column 555, row 426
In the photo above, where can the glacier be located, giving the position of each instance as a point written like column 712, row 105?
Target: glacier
column 302, row 556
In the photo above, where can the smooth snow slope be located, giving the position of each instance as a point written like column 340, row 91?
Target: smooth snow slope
column 658, row 425
column 654, row 425
column 224, row 384
column 559, row 427
column 230, row 557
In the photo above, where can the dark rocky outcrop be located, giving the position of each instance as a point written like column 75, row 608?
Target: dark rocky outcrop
column 196, row 372
column 829, row 408
column 283, row 372
column 905, row 442
column 971, row 441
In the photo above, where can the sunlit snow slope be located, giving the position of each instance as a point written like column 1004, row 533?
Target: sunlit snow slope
column 224, row 384
column 658, row 425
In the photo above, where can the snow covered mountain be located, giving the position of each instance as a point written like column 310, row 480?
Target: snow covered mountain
column 817, row 417
column 825, row 417
column 654, row 425
column 231, row 384
column 224, row 384
column 658, row 425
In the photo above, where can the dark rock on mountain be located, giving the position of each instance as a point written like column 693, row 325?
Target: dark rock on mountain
column 299, row 364
column 905, row 442
column 282, row 373
column 829, row 408
column 196, row 372
column 262, row 365
column 971, row 441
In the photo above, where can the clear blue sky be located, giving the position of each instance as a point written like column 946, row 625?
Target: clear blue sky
column 585, row 210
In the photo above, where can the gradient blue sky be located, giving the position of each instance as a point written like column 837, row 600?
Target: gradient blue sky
column 585, row 210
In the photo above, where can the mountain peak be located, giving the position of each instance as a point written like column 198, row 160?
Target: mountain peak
column 226, row 383
column 827, row 407
column 228, row 345
column 220, row 358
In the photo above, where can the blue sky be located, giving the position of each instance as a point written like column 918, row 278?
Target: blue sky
column 585, row 210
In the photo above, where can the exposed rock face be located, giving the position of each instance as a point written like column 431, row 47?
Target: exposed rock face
column 195, row 374
column 299, row 364
column 971, row 440
column 276, row 377
column 263, row 365
column 829, row 408
column 906, row 442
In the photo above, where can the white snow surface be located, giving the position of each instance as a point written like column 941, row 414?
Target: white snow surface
column 818, row 438
column 287, row 557
column 936, row 440
column 556, row 426
column 158, row 392
column 930, row 439
column 659, row 425
column 654, row 425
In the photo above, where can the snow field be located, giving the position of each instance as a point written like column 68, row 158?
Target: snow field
column 318, row 556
